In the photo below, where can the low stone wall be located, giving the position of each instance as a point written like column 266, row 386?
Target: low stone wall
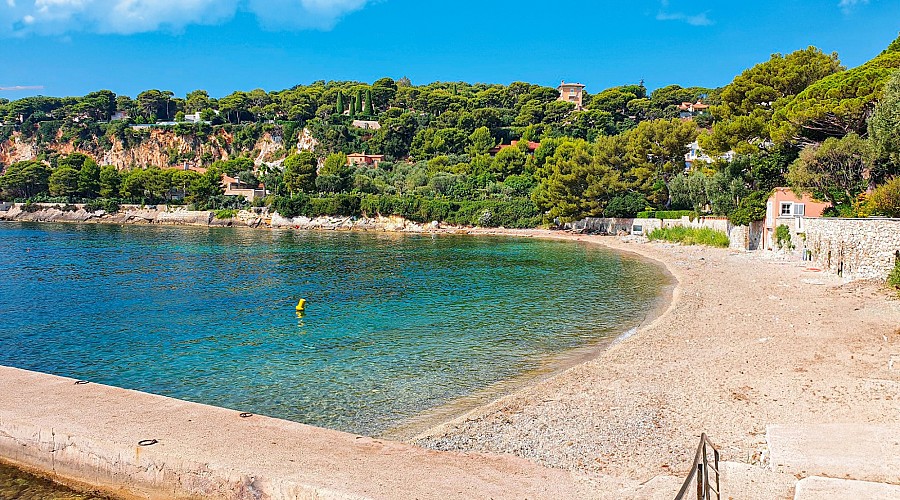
column 853, row 248
column 741, row 237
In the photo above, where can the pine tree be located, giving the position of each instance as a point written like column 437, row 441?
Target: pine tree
column 370, row 111
column 340, row 103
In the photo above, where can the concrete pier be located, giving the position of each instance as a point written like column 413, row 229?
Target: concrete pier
column 88, row 434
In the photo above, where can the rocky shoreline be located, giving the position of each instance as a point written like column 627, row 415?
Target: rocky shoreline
column 179, row 216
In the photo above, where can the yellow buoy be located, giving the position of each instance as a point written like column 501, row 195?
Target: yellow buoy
column 301, row 306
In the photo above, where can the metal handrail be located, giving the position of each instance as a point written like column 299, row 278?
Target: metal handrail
column 700, row 469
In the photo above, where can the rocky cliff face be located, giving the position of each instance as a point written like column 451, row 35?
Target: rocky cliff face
column 161, row 148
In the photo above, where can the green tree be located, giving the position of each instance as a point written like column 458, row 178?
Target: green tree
column 370, row 110
column 64, row 182
column 884, row 126
column 334, row 175
column 110, row 181
column 25, row 179
column 89, row 179
column 509, row 161
column 834, row 171
column 300, row 173
column 339, row 107
column 836, row 105
column 481, row 141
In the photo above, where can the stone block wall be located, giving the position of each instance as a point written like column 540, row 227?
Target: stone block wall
column 853, row 248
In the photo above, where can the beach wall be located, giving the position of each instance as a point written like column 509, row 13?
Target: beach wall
column 741, row 237
column 90, row 435
column 853, row 248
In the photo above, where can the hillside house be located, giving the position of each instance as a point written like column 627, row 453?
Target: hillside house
column 234, row 187
column 785, row 207
column 572, row 92
column 688, row 110
column 357, row 159
column 696, row 154
column 367, row 124
column 532, row 147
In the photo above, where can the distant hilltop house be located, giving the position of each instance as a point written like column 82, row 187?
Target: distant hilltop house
column 119, row 116
column 532, row 147
column 688, row 110
column 367, row 124
column 785, row 207
column 572, row 92
column 357, row 159
column 695, row 154
column 234, row 187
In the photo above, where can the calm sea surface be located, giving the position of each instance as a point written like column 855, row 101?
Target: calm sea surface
column 396, row 324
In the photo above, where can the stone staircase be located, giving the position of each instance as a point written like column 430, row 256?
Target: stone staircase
column 806, row 462
column 838, row 461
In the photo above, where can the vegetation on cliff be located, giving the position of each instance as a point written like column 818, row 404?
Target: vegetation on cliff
column 799, row 118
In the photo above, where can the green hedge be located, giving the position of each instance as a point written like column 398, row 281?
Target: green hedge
column 515, row 213
column 667, row 214
column 691, row 236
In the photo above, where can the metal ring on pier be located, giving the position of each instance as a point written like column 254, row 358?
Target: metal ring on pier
column 82, row 382
column 246, row 415
column 147, row 442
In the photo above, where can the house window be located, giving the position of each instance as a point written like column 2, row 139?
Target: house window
column 799, row 210
column 786, row 209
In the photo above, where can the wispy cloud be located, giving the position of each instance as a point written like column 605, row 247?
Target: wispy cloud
column 55, row 17
column 701, row 19
column 16, row 88
column 847, row 6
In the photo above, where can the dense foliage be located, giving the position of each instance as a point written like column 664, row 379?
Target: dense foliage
column 799, row 118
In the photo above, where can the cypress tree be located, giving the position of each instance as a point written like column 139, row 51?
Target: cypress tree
column 340, row 103
column 352, row 107
column 369, row 109
column 359, row 101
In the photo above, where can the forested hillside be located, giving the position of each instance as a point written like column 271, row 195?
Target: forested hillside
column 800, row 119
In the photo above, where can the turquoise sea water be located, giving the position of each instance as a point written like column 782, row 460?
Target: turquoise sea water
column 396, row 324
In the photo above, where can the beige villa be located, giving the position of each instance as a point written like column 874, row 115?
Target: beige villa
column 572, row 92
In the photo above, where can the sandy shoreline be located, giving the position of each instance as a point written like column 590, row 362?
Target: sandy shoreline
column 746, row 342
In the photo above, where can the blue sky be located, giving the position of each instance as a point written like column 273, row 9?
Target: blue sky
column 71, row 47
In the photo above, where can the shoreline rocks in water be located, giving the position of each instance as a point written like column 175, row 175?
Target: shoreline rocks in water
column 179, row 216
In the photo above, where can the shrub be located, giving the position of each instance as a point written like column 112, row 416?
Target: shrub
column 691, row 236
column 751, row 209
column 894, row 278
column 783, row 238
column 225, row 213
column 884, row 201
column 625, row 206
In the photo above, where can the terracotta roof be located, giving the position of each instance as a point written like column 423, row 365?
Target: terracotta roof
column 531, row 146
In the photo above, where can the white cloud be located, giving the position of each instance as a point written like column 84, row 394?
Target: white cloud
column 848, row 5
column 666, row 14
column 695, row 20
column 54, row 17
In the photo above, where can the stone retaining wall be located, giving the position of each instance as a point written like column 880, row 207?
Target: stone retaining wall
column 853, row 248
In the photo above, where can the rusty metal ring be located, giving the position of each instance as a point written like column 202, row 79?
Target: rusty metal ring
column 82, row 382
column 147, row 442
column 246, row 415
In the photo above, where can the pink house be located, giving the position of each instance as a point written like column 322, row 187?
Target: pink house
column 787, row 208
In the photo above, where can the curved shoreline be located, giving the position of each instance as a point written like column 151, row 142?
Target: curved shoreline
column 430, row 421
